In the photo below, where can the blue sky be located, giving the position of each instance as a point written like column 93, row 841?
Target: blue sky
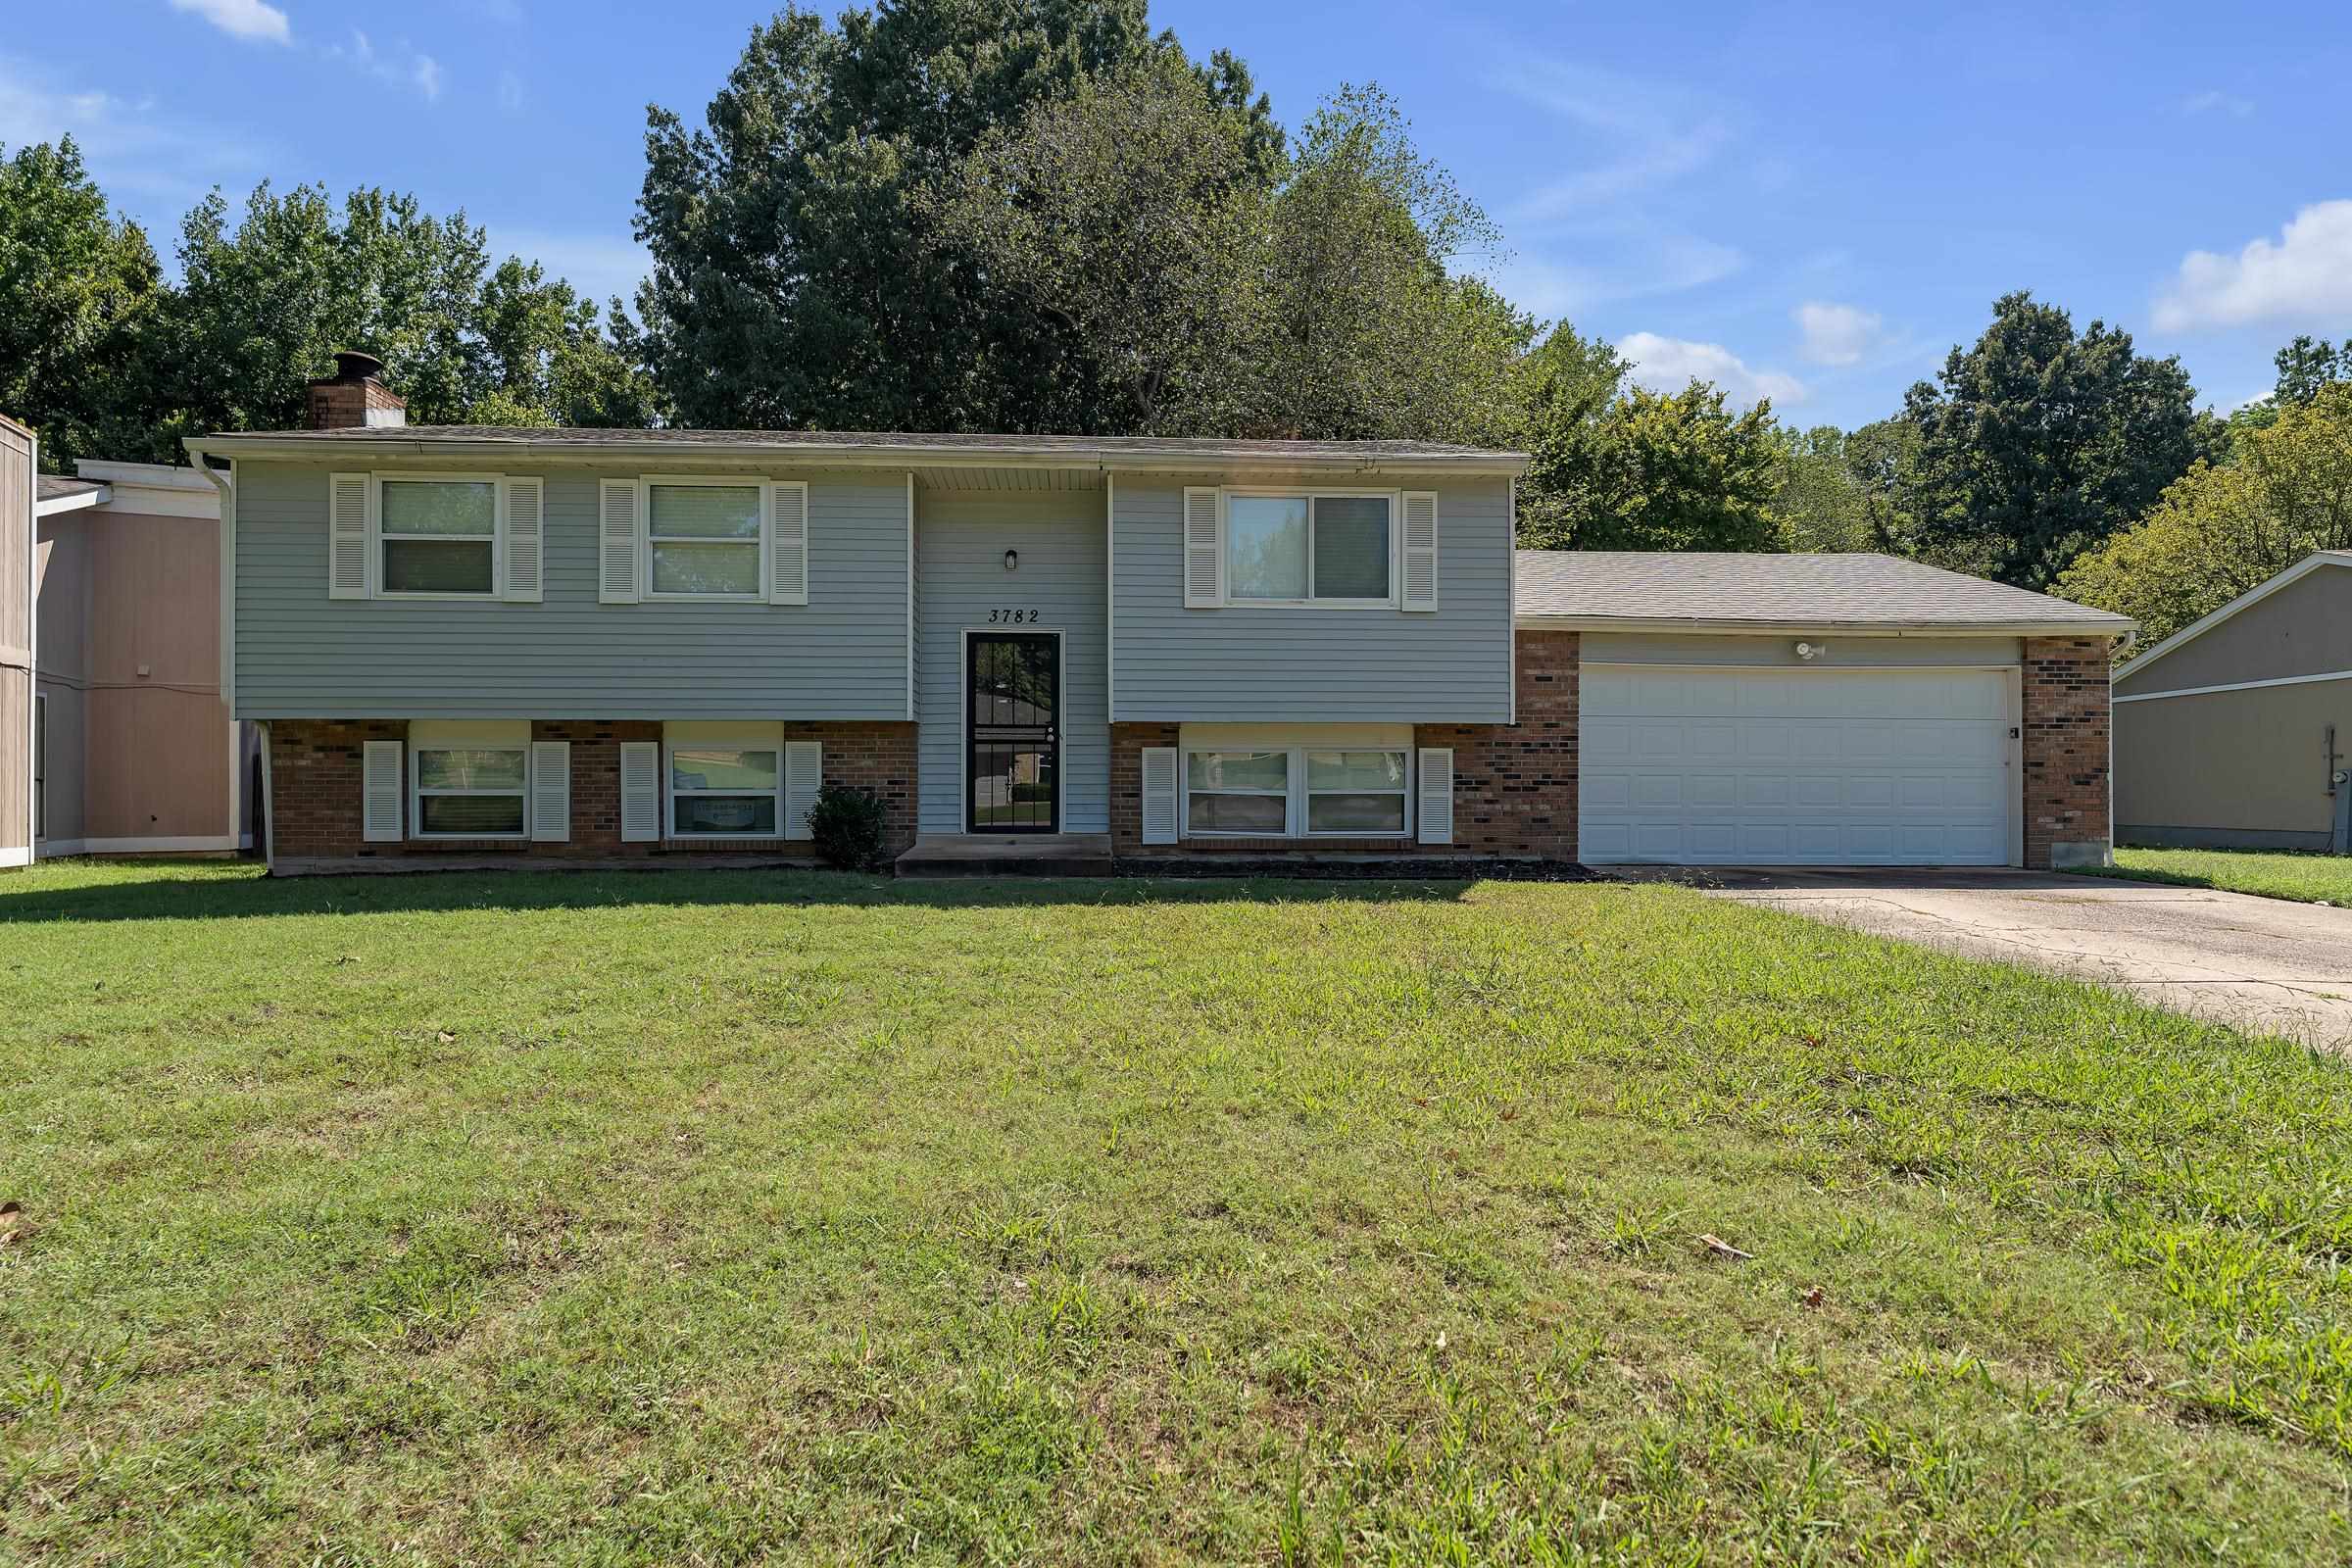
column 1805, row 202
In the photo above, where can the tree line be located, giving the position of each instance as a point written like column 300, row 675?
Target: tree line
column 1040, row 216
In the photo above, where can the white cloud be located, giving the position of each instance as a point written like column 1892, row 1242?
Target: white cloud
column 2304, row 278
column 241, row 18
column 1663, row 266
column 1835, row 334
column 135, row 149
column 2212, row 100
column 510, row 92
column 400, row 67
column 1669, row 363
column 1648, row 134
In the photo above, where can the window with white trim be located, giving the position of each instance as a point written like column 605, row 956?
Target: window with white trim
column 706, row 539
column 437, row 537
column 1298, row 792
column 1237, row 793
column 468, row 791
column 1358, row 793
column 1309, row 548
column 725, row 791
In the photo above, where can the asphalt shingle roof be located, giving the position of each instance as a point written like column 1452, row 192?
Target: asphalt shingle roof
column 1070, row 446
column 1859, row 591
column 56, row 486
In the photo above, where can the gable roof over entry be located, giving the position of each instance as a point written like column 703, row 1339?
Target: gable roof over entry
column 1607, row 590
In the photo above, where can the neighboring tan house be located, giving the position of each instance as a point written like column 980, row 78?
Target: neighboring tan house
column 135, row 752
column 503, row 646
column 2236, row 731
column 18, row 469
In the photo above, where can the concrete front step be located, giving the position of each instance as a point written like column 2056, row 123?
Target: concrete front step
column 1008, row 855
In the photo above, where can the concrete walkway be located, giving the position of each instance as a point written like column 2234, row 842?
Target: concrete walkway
column 2263, row 965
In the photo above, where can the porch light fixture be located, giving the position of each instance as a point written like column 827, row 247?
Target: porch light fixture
column 1012, row 560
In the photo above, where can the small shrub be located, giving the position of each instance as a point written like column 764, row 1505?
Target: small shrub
column 846, row 826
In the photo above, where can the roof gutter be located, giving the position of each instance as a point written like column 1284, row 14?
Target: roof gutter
column 1495, row 465
column 1689, row 625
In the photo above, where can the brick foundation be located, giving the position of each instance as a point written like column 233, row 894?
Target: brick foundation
column 2065, row 692
column 316, row 768
column 1514, row 785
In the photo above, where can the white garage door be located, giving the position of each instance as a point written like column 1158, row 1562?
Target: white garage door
column 1794, row 766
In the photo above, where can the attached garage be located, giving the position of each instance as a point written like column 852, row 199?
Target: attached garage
column 1823, row 711
column 1697, row 766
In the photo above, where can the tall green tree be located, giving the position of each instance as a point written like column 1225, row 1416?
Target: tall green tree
column 2226, row 528
column 1818, row 499
column 1564, row 389
column 801, row 276
column 1681, row 472
column 79, row 291
column 2038, row 442
column 1124, row 227
column 264, row 302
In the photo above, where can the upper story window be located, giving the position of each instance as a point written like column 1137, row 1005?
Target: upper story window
column 438, row 536
column 716, row 539
column 1291, row 549
column 704, row 540
column 425, row 535
column 1310, row 549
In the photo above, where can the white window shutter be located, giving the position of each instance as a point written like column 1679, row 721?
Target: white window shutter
column 526, row 542
column 640, row 792
column 1203, row 549
column 616, row 532
column 803, row 771
column 788, row 544
column 347, row 536
column 550, row 792
column 1420, row 550
column 382, row 785
column 1159, row 794
column 1435, row 805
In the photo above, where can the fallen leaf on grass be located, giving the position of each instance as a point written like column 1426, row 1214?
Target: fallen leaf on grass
column 1723, row 1249
column 1812, row 1297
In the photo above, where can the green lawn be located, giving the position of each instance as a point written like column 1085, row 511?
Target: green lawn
column 2272, row 873
column 713, row 1217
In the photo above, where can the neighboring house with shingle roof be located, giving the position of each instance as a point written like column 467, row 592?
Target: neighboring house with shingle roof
column 514, row 646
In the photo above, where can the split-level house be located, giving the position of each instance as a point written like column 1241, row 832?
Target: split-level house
column 515, row 645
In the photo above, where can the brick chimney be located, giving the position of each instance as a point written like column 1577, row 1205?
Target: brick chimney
column 356, row 394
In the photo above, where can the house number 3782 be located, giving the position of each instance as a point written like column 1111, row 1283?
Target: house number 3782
column 1011, row 618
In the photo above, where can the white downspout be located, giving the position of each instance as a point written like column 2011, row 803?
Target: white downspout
column 226, row 484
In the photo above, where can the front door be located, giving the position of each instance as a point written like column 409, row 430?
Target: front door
column 1013, row 748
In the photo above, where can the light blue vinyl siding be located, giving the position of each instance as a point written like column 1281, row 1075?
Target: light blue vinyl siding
column 960, row 540
column 1452, row 665
column 300, row 655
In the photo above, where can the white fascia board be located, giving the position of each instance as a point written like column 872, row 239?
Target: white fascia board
column 635, row 455
column 2245, row 600
column 1803, row 628
column 74, row 502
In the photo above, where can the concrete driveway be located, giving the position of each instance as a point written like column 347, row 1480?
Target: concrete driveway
column 2263, row 965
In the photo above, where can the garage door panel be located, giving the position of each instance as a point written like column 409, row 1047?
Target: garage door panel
column 1817, row 766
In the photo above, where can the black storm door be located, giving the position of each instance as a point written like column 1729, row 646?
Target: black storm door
column 1013, row 728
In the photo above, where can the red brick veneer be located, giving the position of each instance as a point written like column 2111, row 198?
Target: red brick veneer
column 317, row 768
column 2065, row 692
column 1514, row 785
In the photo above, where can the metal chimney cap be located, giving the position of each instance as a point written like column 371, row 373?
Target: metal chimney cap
column 350, row 365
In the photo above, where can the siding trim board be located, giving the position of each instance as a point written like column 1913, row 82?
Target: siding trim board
column 2235, row 686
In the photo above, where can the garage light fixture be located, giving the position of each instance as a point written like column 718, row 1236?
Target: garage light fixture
column 1809, row 651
